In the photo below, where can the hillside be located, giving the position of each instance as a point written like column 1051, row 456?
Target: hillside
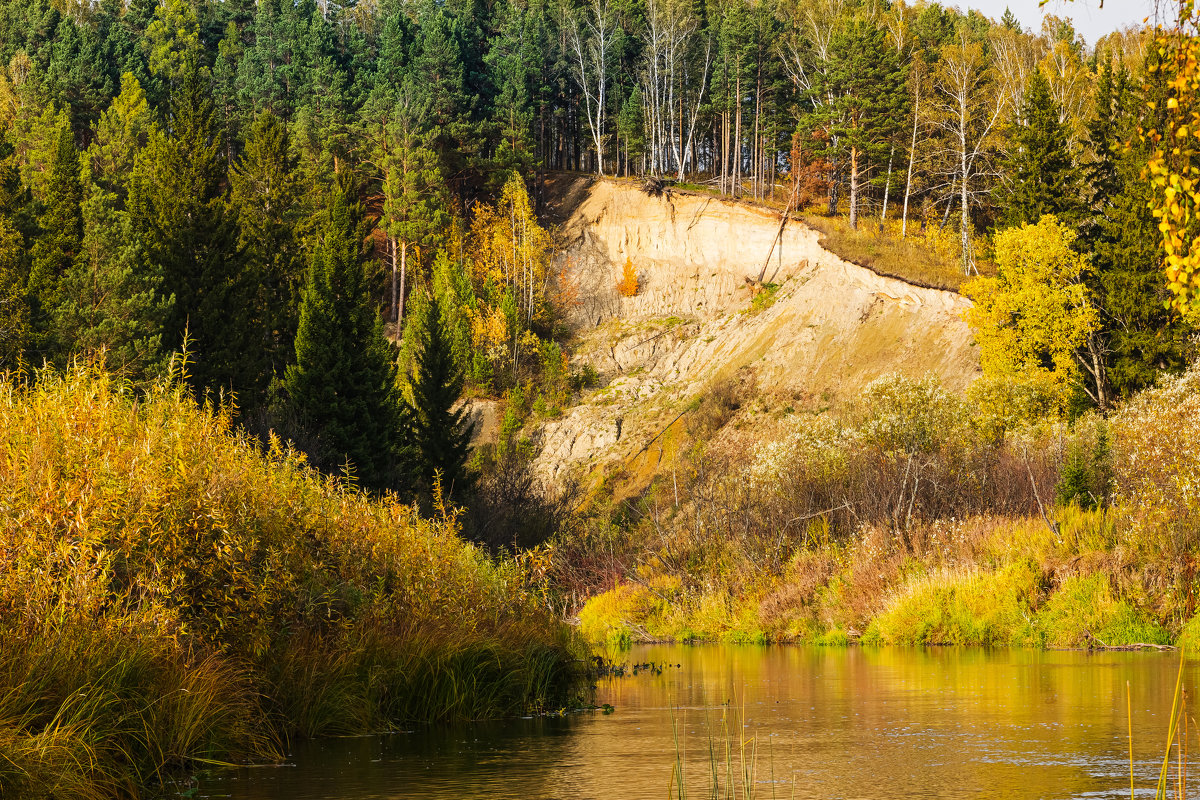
column 816, row 333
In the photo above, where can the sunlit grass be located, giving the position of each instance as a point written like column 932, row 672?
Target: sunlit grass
column 929, row 257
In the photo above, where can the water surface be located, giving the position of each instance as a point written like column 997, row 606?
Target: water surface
column 809, row 723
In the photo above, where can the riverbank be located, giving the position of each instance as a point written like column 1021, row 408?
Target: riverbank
column 171, row 596
column 913, row 517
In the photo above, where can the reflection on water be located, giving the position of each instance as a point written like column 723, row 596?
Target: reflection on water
column 826, row 723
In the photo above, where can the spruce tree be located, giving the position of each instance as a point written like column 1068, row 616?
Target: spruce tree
column 342, row 385
column 179, row 212
column 442, row 433
column 1042, row 175
column 265, row 195
column 110, row 296
column 59, row 238
column 1141, row 337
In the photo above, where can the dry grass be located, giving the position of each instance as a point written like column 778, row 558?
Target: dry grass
column 927, row 258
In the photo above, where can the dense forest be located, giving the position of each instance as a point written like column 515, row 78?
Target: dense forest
column 279, row 189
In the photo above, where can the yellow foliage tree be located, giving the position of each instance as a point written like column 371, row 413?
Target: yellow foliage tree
column 1034, row 316
column 1174, row 168
column 512, row 250
column 628, row 285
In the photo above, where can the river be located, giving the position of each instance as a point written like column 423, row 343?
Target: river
column 804, row 722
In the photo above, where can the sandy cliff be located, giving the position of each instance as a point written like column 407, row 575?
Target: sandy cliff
column 829, row 328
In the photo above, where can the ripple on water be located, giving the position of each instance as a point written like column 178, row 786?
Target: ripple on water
column 818, row 723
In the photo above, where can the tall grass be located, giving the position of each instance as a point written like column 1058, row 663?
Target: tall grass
column 169, row 594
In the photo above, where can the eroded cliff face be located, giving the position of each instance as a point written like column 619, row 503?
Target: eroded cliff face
column 828, row 329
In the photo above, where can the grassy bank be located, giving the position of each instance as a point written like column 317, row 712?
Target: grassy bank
column 929, row 257
column 913, row 517
column 169, row 595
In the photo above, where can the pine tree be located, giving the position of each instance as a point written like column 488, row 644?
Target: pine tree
column 17, row 226
column 443, row 65
column 631, row 130
column 59, row 239
column 173, row 39
column 512, row 60
column 441, row 432
column 263, row 72
column 124, row 129
column 866, row 86
column 414, row 200
column 1042, row 175
column 343, row 383
column 14, row 305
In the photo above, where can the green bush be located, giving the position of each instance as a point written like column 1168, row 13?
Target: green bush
column 1083, row 611
column 964, row 608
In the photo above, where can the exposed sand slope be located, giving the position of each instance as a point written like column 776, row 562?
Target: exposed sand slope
column 832, row 328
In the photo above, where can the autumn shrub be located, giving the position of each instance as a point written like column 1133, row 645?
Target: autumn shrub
column 614, row 617
column 1156, row 464
column 908, row 452
column 915, row 515
column 628, row 285
column 169, row 592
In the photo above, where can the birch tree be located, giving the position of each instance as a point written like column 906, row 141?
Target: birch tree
column 969, row 105
column 674, row 93
column 590, row 36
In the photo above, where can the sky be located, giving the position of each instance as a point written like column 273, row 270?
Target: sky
column 1089, row 18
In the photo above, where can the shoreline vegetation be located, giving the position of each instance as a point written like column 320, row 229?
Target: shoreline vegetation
column 912, row 517
column 171, row 596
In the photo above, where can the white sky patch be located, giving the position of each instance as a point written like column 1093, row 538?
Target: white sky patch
column 1089, row 18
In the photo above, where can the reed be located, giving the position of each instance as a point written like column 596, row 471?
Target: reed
column 733, row 761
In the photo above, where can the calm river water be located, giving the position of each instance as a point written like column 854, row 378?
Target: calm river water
column 825, row 722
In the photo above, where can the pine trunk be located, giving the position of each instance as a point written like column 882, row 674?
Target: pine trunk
column 854, row 187
column 736, row 177
column 395, row 283
column 912, row 154
column 403, row 275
